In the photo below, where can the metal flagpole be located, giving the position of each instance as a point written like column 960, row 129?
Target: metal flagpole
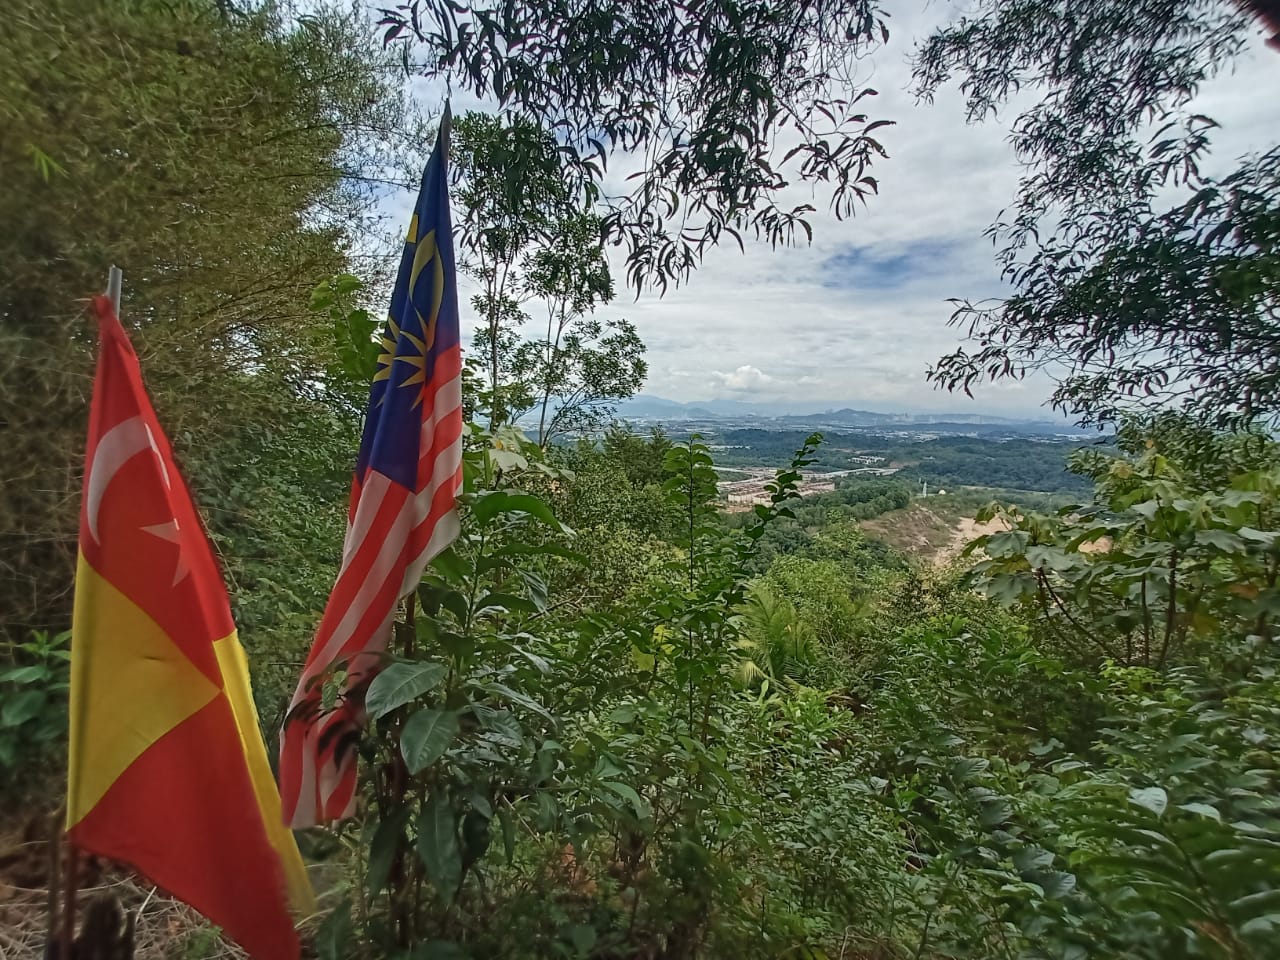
column 70, row 878
column 115, row 280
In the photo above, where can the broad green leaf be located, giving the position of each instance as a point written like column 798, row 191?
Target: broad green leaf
column 1223, row 540
column 21, row 707
column 401, row 683
column 345, row 283
column 1150, row 798
column 1032, row 859
column 1146, row 508
column 438, row 844
column 994, row 812
column 583, row 938
column 1054, row 883
column 501, row 722
column 537, row 588
column 505, row 602
column 623, row 714
column 334, row 936
column 628, row 793
column 519, row 699
column 496, row 502
column 1266, row 537
column 508, row 832
column 1244, row 906
column 1202, row 809
column 475, row 836
column 24, row 674
column 454, row 567
column 507, row 460
column 382, row 850
column 1266, row 925
column 426, row 737
column 480, row 801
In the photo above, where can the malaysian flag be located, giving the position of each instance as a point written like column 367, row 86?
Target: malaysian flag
column 402, row 514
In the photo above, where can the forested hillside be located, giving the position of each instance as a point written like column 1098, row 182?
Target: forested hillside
column 1016, row 464
column 616, row 720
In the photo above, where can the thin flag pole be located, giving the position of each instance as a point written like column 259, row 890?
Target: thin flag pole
column 115, row 280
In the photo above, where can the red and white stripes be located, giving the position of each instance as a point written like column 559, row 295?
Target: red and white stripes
column 393, row 534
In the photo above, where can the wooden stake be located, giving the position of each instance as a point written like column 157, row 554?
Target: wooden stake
column 70, row 886
column 54, row 841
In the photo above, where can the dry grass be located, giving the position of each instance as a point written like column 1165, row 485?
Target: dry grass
column 165, row 929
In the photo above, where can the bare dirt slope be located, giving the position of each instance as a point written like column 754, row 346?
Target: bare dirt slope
column 931, row 531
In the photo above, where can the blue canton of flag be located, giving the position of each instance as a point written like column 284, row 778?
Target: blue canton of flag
column 421, row 327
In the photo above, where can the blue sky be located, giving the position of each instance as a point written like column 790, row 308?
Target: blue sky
column 856, row 317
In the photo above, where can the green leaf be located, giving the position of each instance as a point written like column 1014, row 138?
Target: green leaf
column 506, row 602
column 583, row 938
column 24, row 674
column 623, row 714
column 501, row 722
column 537, row 588
column 426, row 737
column 520, row 699
column 402, row 683
column 507, row 460
column 628, row 793
column 346, row 283
column 1146, row 508
column 1266, row 537
column 479, row 801
column 475, row 836
column 1150, row 798
column 18, row 709
column 454, row 567
column 1242, row 907
column 496, row 502
column 382, row 850
column 1222, row 539
column 438, row 844
column 1054, row 883
column 994, row 812
column 1032, row 859
column 334, row 936
column 1202, row 809
column 1267, row 924
column 508, row 832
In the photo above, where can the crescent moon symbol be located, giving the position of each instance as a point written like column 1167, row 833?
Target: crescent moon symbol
column 118, row 445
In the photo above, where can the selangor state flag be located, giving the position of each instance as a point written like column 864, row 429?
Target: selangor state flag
column 167, row 769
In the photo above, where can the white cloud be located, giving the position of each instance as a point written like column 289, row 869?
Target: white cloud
column 858, row 316
column 746, row 379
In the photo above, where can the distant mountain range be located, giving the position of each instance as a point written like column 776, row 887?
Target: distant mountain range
column 649, row 407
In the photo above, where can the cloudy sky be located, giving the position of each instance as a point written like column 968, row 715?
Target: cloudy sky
column 856, row 317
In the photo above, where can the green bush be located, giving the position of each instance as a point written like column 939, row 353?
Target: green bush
column 33, row 702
